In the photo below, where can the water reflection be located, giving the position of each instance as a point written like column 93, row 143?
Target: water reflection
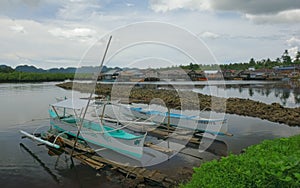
column 284, row 93
column 42, row 164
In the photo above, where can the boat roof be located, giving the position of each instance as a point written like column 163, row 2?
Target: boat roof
column 76, row 104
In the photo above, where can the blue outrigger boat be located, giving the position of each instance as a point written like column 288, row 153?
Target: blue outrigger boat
column 197, row 123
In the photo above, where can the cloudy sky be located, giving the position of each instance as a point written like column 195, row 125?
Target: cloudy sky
column 50, row 33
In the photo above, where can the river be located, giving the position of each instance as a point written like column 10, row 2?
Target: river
column 24, row 106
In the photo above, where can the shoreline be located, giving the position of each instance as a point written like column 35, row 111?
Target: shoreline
column 245, row 107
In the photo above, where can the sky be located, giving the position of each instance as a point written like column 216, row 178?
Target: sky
column 70, row 33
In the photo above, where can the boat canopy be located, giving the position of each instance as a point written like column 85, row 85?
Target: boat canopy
column 76, row 104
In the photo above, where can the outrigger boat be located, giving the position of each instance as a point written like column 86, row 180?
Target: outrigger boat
column 197, row 123
column 93, row 132
column 149, row 119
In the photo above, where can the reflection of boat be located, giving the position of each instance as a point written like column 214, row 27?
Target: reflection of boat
column 94, row 132
column 42, row 164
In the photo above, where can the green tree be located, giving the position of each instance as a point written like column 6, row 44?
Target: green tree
column 193, row 66
column 252, row 62
column 278, row 60
column 297, row 58
column 286, row 58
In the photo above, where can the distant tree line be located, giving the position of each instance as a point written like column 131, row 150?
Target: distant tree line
column 26, row 73
column 284, row 60
column 34, row 77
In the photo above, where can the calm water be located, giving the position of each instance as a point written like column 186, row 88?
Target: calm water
column 24, row 106
column 284, row 93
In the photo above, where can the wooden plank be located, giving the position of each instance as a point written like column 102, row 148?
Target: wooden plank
column 158, row 148
column 159, row 177
column 164, row 135
column 97, row 164
column 69, row 142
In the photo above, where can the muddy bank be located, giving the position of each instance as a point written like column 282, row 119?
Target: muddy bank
column 273, row 112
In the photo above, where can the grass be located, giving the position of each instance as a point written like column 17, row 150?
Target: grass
column 273, row 163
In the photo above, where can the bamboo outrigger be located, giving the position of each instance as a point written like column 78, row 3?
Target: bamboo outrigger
column 88, row 156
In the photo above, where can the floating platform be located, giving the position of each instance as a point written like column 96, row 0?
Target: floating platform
column 88, row 156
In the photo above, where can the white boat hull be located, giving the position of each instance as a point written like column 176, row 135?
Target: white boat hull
column 129, row 147
column 218, row 126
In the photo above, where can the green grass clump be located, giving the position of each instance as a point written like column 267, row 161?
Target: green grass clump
column 273, row 163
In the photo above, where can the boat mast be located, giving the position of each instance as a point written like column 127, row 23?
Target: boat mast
column 91, row 94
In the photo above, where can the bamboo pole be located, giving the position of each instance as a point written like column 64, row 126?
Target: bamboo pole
column 91, row 94
column 169, row 121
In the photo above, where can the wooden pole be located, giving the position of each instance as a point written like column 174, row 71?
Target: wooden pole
column 169, row 121
column 91, row 94
column 102, row 115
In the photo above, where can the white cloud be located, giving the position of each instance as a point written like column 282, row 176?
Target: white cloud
column 38, row 44
column 293, row 51
column 169, row 5
column 293, row 41
column 288, row 16
column 129, row 4
column 79, row 34
column 78, row 10
column 294, row 44
column 17, row 29
column 210, row 35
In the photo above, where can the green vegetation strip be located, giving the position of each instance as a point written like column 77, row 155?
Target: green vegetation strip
column 273, row 163
column 38, row 77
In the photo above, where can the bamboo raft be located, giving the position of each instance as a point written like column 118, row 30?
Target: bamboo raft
column 88, row 156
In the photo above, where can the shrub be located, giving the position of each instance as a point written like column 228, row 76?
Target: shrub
column 273, row 163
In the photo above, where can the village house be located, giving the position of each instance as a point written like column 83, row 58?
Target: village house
column 289, row 71
column 213, row 75
column 133, row 75
column 196, row 75
column 110, row 75
column 173, row 75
